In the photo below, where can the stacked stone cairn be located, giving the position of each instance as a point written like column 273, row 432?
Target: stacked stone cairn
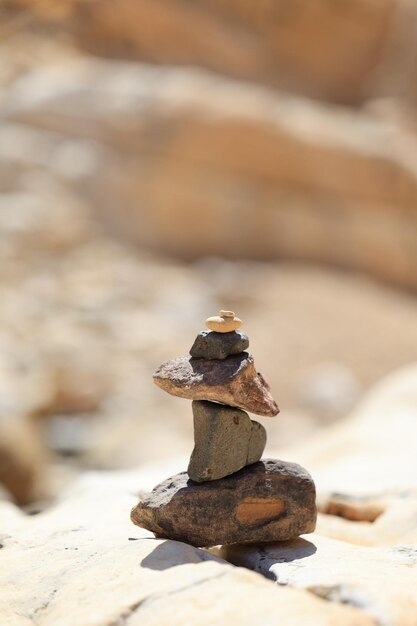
column 228, row 494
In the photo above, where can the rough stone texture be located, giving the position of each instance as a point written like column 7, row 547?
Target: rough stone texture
column 267, row 501
column 212, row 345
column 225, row 440
column 82, row 562
column 233, row 381
column 381, row 581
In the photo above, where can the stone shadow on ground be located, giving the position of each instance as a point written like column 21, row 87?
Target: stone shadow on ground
column 172, row 553
column 279, row 552
column 293, row 550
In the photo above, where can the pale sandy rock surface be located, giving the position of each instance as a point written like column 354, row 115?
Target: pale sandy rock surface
column 374, row 448
column 381, row 582
column 83, row 562
column 365, row 467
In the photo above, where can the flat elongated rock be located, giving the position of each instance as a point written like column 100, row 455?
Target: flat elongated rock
column 225, row 440
column 224, row 323
column 267, row 501
column 233, row 381
column 212, row 345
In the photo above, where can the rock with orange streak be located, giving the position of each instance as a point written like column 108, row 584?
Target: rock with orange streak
column 264, row 502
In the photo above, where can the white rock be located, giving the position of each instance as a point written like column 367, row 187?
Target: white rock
column 381, row 582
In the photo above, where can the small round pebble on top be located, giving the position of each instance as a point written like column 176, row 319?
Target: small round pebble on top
column 225, row 322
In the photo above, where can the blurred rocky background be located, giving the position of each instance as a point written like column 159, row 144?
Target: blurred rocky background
column 162, row 159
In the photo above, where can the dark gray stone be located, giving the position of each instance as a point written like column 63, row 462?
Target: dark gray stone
column 268, row 501
column 212, row 345
column 225, row 439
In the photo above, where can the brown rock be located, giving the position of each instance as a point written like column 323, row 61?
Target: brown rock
column 304, row 46
column 233, row 381
column 24, row 460
column 267, row 501
column 225, row 440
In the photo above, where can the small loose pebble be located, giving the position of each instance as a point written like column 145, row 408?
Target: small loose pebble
column 226, row 322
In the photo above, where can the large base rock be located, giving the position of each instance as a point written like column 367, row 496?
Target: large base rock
column 267, row 501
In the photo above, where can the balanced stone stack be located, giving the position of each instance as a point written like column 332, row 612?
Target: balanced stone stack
column 228, row 494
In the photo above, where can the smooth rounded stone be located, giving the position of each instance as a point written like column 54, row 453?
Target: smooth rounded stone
column 212, row 345
column 233, row 381
column 268, row 501
column 225, row 440
column 223, row 323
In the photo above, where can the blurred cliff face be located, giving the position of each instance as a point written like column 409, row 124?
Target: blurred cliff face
column 346, row 52
column 211, row 123
column 156, row 159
